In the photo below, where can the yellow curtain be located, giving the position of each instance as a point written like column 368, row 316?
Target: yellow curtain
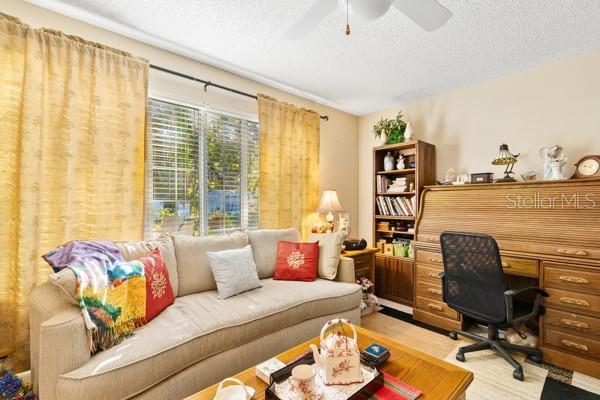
column 289, row 164
column 72, row 122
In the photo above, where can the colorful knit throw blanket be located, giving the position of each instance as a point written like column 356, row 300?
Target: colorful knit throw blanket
column 111, row 291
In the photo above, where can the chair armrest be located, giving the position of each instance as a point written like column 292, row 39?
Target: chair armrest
column 58, row 339
column 508, row 299
column 345, row 272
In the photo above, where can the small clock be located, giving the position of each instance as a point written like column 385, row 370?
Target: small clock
column 588, row 167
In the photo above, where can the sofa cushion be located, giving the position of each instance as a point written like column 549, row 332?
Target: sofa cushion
column 194, row 271
column 66, row 283
column 264, row 247
column 297, row 261
column 234, row 271
column 159, row 292
column 198, row 326
column 330, row 247
column 136, row 249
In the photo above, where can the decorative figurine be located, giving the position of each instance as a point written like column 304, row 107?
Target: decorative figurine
column 388, row 162
column 400, row 164
column 450, row 176
column 408, row 132
column 530, row 175
column 554, row 162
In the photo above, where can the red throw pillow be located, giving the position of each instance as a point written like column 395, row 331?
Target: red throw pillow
column 297, row 261
column 159, row 293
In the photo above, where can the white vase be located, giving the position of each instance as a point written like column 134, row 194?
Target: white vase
column 388, row 162
column 408, row 132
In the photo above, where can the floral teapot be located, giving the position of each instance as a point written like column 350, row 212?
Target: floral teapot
column 339, row 360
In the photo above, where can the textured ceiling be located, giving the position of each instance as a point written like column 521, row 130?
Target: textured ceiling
column 383, row 63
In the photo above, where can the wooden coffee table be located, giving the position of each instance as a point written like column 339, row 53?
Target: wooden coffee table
column 437, row 379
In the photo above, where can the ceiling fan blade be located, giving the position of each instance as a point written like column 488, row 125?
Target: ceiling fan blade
column 428, row 14
column 315, row 14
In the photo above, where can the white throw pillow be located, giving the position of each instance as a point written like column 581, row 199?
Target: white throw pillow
column 234, row 271
column 330, row 247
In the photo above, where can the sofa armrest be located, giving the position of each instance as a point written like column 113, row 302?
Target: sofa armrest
column 58, row 339
column 345, row 271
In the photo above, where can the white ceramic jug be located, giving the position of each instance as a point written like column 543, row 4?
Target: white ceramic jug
column 233, row 392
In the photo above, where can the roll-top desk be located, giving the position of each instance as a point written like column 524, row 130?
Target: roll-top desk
column 548, row 232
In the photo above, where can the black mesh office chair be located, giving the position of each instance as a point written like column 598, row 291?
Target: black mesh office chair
column 473, row 284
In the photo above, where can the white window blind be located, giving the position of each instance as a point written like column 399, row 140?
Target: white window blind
column 202, row 171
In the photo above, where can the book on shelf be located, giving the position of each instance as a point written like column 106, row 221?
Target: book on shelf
column 398, row 185
column 396, row 206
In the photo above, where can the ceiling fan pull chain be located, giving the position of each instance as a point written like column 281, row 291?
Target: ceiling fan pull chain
column 347, row 24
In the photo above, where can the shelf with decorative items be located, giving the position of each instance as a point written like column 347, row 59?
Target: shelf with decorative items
column 397, row 171
column 412, row 192
column 400, row 173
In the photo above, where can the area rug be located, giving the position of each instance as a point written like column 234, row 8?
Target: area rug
column 493, row 375
column 406, row 317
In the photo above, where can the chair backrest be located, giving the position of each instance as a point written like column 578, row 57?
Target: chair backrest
column 474, row 280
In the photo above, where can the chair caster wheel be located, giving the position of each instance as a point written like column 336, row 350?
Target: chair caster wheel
column 460, row 356
column 518, row 374
column 536, row 358
column 453, row 335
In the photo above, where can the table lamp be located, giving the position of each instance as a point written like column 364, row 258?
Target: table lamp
column 505, row 157
column 329, row 203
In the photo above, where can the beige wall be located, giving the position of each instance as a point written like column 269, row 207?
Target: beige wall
column 557, row 103
column 338, row 135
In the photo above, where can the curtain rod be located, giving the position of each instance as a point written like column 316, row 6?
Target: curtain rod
column 209, row 83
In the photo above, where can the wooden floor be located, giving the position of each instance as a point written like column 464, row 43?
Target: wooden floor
column 422, row 339
column 493, row 376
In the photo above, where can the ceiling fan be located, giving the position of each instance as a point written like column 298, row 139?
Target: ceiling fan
column 428, row 14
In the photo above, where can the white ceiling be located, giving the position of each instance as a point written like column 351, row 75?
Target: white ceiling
column 383, row 63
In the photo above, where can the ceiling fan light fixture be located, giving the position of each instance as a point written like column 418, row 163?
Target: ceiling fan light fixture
column 366, row 10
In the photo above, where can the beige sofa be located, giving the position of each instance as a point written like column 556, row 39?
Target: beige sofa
column 195, row 342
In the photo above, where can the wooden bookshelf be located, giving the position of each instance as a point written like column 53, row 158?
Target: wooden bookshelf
column 395, row 274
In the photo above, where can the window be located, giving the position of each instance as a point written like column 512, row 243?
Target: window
column 202, row 170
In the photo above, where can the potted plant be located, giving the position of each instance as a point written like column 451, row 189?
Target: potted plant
column 369, row 300
column 393, row 129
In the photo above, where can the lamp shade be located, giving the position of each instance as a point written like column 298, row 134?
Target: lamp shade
column 329, row 202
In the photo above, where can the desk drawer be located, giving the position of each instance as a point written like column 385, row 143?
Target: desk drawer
column 430, row 257
column 429, row 290
column 362, row 262
column 587, row 303
column 428, row 273
column 573, row 343
column 436, row 307
column 428, row 238
column 573, row 322
column 560, row 276
column 520, row 266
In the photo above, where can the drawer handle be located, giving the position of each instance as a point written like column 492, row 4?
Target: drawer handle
column 573, row 279
column 505, row 265
column 577, row 252
column 432, row 275
column 433, row 259
column 434, row 291
column 574, row 345
column 575, row 324
column 435, row 307
column 577, row 302
column 432, row 238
